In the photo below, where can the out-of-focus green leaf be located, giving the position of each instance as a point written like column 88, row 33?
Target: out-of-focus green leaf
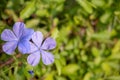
column 113, row 78
column 116, row 48
column 55, row 33
column 70, row 69
column 32, row 23
column 69, row 45
column 49, row 76
column 2, row 26
column 28, row 10
column 42, row 13
column 106, row 17
column 83, row 55
column 12, row 14
column 99, row 3
column 97, row 61
column 106, row 68
column 115, row 56
column 85, row 4
column 88, row 76
column 102, row 36
column 95, row 51
column 58, row 66
column 60, row 78
column 113, row 33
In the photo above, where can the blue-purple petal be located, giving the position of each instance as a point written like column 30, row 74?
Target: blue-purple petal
column 47, row 57
column 18, row 29
column 9, row 47
column 33, row 48
column 31, row 72
column 34, row 58
column 8, row 35
column 49, row 44
column 37, row 38
column 24, row 46
column 27, row 34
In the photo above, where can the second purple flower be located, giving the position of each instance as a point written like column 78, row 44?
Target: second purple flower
column 39, row 47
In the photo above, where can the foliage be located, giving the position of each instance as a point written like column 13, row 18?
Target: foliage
column 87, row 34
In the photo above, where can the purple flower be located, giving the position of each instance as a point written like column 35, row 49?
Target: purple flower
column 20, row 37
column 31, row 72
column 38, row 48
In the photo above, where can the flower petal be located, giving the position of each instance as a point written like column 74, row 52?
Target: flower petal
column 34, row 58
column 24, row 46
column 8, row 35
column 9, row 47
column 27, row 34
column 31, row 72
column 37, row 38
column 18, row 29
column 47, row 57
column 49, row 44
column 33, row 48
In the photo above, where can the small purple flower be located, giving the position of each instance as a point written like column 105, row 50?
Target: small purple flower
column 31, row 72
column 20, row 37
column 38, row 48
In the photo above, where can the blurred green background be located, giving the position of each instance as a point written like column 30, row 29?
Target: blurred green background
column 87, row 33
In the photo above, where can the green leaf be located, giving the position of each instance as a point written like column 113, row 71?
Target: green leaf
column 106, row 67
column 28, row 10
column 55, row 33
column 70, row 69
column 116, row 48
column 95, row 51
column 115, row 56
column 105, row 17
column 32, row 23
column 99, row 3
column 42, row 13
column 113, row 78
column 2, row 26
column 103, row 36
column 49, row 76
column 58, row 66
column 88, row 76
column 86, row 5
